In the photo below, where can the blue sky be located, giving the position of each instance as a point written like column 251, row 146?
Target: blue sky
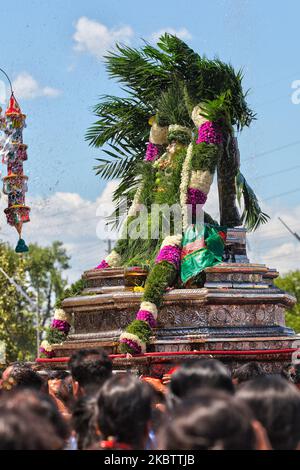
column 55, row 58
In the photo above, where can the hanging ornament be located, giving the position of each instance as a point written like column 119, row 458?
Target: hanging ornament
column 14, row 153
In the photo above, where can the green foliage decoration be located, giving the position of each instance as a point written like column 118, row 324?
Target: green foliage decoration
column 291, row 283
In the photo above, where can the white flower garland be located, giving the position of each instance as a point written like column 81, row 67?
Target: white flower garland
column 60, row 314
column 150, row 307
column 185, row 179
column 197, row 117
column 46, row 345
column 172, row 240
column 113, row 259
column 177, row 127
column 201, row 180
column 158, row 134
column 136, row 201
column 134, row 338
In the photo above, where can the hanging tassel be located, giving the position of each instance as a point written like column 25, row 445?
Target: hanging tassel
column 21, row 246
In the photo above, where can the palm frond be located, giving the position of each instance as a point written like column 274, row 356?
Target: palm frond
column 252, row 215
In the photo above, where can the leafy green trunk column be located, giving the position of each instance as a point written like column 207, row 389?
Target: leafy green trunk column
column 228, row 167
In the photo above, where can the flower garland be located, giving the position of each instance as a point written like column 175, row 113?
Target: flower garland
column 158, row 134
column 195, row 182
column 58, row 332
column 185, row 178
column 113, row 260
column 46, row 349
column 152, row 152
column 201, row 180
column 135, row 338
column 179, row 134
column 210, row 133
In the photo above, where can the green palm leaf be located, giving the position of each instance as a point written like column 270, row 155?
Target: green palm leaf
column 252, row 215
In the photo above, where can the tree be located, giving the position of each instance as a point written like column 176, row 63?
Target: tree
column 291, row 283
column 16, row 320
column 44, row 267
column 40, row 274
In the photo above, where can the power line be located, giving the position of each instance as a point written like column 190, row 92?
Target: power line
column 281, row 194
column 268, row 152
column 278, row 172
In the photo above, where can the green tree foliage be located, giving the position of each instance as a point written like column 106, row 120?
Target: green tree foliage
column 291, row 283
column 44, row 268
column 40, row 274
column 16, row 319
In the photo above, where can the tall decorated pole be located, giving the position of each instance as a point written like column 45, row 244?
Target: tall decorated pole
column 14, row 153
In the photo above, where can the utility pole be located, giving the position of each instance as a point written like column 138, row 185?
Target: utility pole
column 33, row 305
column 109, row 244
column 290, row 230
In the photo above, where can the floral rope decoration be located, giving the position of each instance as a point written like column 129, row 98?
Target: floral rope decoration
column 113, row 260
column 185, row 178
column 152, row 152
column 137, row 335
column 46, row 349
column 199, row 166
column 57, row 333
column 61, row 323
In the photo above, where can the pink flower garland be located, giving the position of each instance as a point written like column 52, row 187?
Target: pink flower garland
column 49, row 354
column 61, row 325
column 195, row 197
column 169, row 253
column 132, row 344
column 151, row 152
column 210, row 133
column 102, row 265
column 146, row 316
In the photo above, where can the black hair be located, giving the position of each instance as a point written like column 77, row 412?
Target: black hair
column 15, row 433
column 38, row 404
column 209, row 421
column 248, row 371
column 85, row 421
column 58, row 374
column 199, row 374
column 90, row 367
column 124, row 410
column 23, row 377
column 276, row 404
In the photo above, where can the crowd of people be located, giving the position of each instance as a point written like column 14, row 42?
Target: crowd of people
column 199, row 405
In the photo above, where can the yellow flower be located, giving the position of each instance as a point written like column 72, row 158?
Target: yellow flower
column 138, row 289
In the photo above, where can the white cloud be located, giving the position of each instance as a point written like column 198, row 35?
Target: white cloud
column 95, row 38
column 26, row 87
column 182, row 33
column 79, row 223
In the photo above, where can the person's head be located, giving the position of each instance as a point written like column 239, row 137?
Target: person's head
column 90, row 368
column 209, row 421
column 85, row 421
column 21, row 376
column 200, row 374
column 23, row 430
column 275, row 403
column 124, row 410
column 246, row 372
column 38, row 404
column 60, row 387
column 292, row 374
